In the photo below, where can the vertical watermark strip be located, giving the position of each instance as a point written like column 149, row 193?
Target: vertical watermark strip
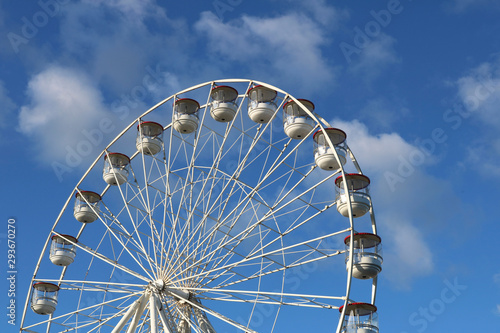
column 11, row 270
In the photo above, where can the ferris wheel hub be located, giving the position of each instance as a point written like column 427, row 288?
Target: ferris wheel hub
column 159, row 285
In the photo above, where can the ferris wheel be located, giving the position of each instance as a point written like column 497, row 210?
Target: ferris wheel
column 230, row 206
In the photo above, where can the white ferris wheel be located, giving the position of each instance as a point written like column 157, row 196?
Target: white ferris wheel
column 230, row 206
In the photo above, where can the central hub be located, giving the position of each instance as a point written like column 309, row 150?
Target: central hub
column 161, row 287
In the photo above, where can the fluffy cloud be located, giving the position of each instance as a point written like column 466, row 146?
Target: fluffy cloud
column 479, row 93
column 115, row 40
column 285, row 48
column 63, row 101
column 133, row 10
column 63, row 104
column 330, row 17
column 406, row 212
column 378, row 153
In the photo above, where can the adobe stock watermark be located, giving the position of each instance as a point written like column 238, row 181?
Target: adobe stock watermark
column 12, row 265
column 421, row 319
column 32, row 25
column 223, row 6
column 372, row 29
column 121, row 107
column 454, row 118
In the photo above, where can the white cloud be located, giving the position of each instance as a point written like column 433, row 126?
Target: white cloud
column 328, row 16
column 407, row 255
column 378, row 153
column 133, row 10
column 479, row 92
column 286, row 48
column 407, row 213
column 483, row 156
column 63, row 103
column 115, row 41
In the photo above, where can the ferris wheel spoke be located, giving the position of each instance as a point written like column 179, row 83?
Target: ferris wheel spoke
column 213, row 252
column 224, row 188
column 151, row 198
column 83, row 318
column 235, row 241
column 293, row 226
column 148, row 205
column 176, row 236
column 99, row 286
column 135, row 223
column 273, row 298
column 218, row 315
column 271, row 209
column 221, row 205
column 306, row 255
column 277, row 207
column 127, row 249
column 240, row 165
column 147, row 218
column 112, row 262
column 206, row 179
column 173, row 156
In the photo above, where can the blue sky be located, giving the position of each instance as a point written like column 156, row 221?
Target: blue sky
column 414, row 84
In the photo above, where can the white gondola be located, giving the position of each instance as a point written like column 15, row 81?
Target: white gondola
column 149, row 138
column 323, row 153
column 261, row 103
column 44, row 298
column 296, row 122
column 223, row 106
column 62, row 250
column 360, row 318
column 358, row 186
column 367, row 256
column 186, row 115
column 87, row 206
column 116, row 168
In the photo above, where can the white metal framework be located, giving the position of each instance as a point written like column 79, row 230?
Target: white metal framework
column 228, row 227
